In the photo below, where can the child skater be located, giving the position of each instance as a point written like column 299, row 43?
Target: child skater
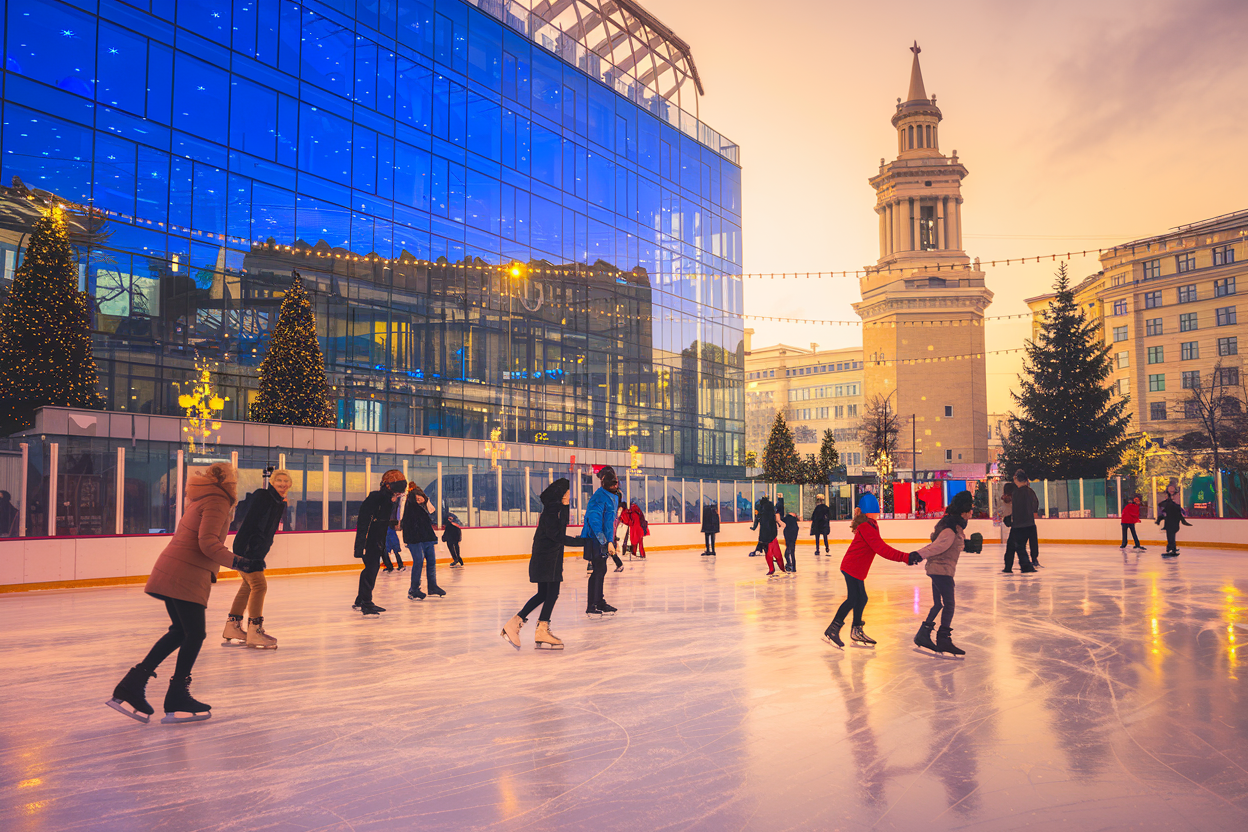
column 855, row 565
column 635, row 519
column 452, row 534
column 1131, row 516
column 393, row 545
column 821, row 523
column 765, row 522
column 948, row 542
column 710, row 527
column 599, row 534
column 265, row 510
column 1169, row 511
column 790, row 542
column 546, row 566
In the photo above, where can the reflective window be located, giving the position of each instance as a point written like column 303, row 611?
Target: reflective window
column 53, row 43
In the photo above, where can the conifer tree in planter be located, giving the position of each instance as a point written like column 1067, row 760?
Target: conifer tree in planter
column 293, row 388
column 781, row 462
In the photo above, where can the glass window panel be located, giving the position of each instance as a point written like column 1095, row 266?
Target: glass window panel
column 484, row 126
column 324, row 144
column 200, row 98
column 253, row 122
column 115, row 160
column 121, row 69
column 47, row 153
column 53, row 43
column 327, row 55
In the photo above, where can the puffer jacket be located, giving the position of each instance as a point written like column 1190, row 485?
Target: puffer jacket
column 264, row 515
column 187, row 568
column 941, row 555
column 551, row 536
column 600, row 518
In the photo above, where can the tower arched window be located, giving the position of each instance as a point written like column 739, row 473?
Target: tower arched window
column 911, row 130
column 929, row 135
column 920, row 136
column 936, row 137
column 901, row 140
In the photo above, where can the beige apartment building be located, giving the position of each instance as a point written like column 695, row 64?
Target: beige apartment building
column 816, row 389
column 1168, row 309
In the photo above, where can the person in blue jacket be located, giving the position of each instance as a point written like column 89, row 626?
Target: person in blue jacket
column 599, row 534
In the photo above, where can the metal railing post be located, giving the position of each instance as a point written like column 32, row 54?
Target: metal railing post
column 524, row 513
column 325, row 493
column 54, row 450
column 498, row 485
column 471, row 506
column 25, row 483
column 121, row 489
column 441, row 496
column 181, row 469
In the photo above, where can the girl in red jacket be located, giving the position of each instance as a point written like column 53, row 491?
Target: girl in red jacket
column 855, row 565
column 1131, row 516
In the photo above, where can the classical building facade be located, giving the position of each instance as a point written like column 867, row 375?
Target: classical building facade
column 923, row 302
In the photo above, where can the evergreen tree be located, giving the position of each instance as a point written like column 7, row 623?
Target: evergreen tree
column 828, row 461
column 45, row 331
column 1070, row 422
column 293, row 389
column 780, row 460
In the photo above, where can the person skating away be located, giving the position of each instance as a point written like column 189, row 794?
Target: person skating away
column 710, row 528
column 765, row 522
column 421, row 541
column 1170, row 516
column 265, row 509
column 1130, row 517
column 546, row 566
column 1024, row 507
column 791, row 531
column 855, row 566
column 392, row 543
column 370, row 537
column 182, row 578
column 821, row 523
column 948, row 543
column 635, row 519
column 599, row 534
column 452, row 534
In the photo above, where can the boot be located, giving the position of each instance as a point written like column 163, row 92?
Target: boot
column 179, row 700
column 923, row 638
column 944, row 644
column 856, row 634
column 511, row 630
column 257, row 637
column 545, row 639
column 233, row 632
column 605, row 608
column 832, row 635
column 132, row 691
column 437, row 591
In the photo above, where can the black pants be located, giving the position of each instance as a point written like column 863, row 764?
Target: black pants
column 790, row 555
column 1017, row 543
column 453, row 548
column 1136, row 537
column 1171, row 545
column 825, row 543
column 596, row 577
column 368, row 579
column 186, row 635
column 1033, row 540
column 385, row 557
column 710, row 541
column 547, row 594
column 942, row 600
column 857, row 600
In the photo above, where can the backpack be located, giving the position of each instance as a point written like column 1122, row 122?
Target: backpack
column 645, row 524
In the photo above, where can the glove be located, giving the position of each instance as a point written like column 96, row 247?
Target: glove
column 247, row 565
column 914, row 559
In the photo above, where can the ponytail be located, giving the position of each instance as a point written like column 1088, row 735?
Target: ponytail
column 859, row 519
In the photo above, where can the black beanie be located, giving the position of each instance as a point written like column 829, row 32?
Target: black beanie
column 607, row 475
column 961, row 503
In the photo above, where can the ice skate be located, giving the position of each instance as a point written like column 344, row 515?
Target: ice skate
column 371, row 611
column 944, row 643
column 1171, row 553
column 437, row 591
column 545, row 639
column 233, row 634
column 415, row 595
column 619, row 568
column 1139, row 549
column 606, row 609
column 178, row 700
column 924, row 636
column 400, row 568
column 132, row 691
column 592, row 611
column 388, row 569
column 857, row 636
column 511, row 630
column 832, row 635
column 257, row 637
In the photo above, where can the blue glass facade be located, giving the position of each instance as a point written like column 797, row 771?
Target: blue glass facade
column 491, row 236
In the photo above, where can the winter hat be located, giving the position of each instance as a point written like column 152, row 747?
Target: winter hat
column 819, row 497
column 414, row 490
column 867, row 504
column 961, row 503
column 553, row 495
column 393, row 475
column 607, row 475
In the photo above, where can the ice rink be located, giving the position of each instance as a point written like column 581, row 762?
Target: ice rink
column 1100, row 693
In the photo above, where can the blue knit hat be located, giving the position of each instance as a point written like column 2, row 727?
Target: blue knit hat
column 867, row 504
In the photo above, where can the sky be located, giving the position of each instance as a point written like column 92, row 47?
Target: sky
column 1083, row 123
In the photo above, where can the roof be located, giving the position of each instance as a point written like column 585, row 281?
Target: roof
column 916, row 93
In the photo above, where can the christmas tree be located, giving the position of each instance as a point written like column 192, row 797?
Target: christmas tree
column 45, row 331
column 781, row 462
column 293, row 389
column 828, row 461
column 1070, row 422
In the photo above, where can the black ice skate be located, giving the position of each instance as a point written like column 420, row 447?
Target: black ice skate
column 371, row 611
column 1139, row 549
column 944, row 643
column 1170, row 553
column 437, row 591
column 132, row 691
column 924, row 636
column 606, row 609
column 400, row 568
column 832, row 635
column 592, row 611
column 857, row 636
column 178, row 700
column 415, row 595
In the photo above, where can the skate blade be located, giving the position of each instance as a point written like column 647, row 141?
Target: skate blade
column 510, row 643
column 121, row 708
column 548, row 646
column 833, row 643
column 233, row 643
column 371, row 615
column 936, row 654
column 861, row 646
column 174, row 719
column 261, row 646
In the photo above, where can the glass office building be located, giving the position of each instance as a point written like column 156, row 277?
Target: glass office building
column 503, row 211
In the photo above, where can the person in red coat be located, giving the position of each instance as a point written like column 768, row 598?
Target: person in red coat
column 635, row 520
column 862, row 550
column 1131, row 516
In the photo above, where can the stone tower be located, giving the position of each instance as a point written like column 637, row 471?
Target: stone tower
column 924, row 301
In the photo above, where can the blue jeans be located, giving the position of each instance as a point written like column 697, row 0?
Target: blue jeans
column 423, row 551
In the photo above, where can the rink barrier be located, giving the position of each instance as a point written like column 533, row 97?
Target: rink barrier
column 116, row 560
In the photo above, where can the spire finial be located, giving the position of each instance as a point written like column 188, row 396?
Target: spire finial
column 916, row 92
column 915, row 49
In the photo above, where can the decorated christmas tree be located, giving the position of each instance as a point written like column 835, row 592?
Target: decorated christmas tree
column 781, row 462
column 293, row 389
column 45, row 331
column 1070, row 422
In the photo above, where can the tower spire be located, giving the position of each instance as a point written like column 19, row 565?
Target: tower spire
column 916, row 93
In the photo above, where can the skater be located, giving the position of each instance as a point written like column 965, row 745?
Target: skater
column 599, row 534
column 370, row 537
column 546, row 566
column 392, row 542
column 948, row 543
column 710, row 528
column 774, row 558
column 421, row 540
column 765, row 522
column 1171, row 513
column 855, row 566
column 1025, row 505
column 1131, row 516
column 821, row 523
column 265, row 509
column 182, row 577
column 791, row 530
column 635, row 519
column 452, row 534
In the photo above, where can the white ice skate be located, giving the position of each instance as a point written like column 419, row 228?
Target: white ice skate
column 545, row 639
column 257, row 637
column 233, row 635
column 511, row 630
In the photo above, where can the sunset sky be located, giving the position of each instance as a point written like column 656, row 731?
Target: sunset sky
column 1083, row 124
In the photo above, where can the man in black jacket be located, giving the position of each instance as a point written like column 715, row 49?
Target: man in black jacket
column 1023, row 522
column 370, row 537
column 265, row 509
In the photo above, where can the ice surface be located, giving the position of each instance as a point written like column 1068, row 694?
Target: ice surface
column 1101, row 693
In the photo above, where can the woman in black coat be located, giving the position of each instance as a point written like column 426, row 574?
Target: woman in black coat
column 765, row 522
column 546, row 566
column 821, row 523
column 710, row 527
column 265, row 509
